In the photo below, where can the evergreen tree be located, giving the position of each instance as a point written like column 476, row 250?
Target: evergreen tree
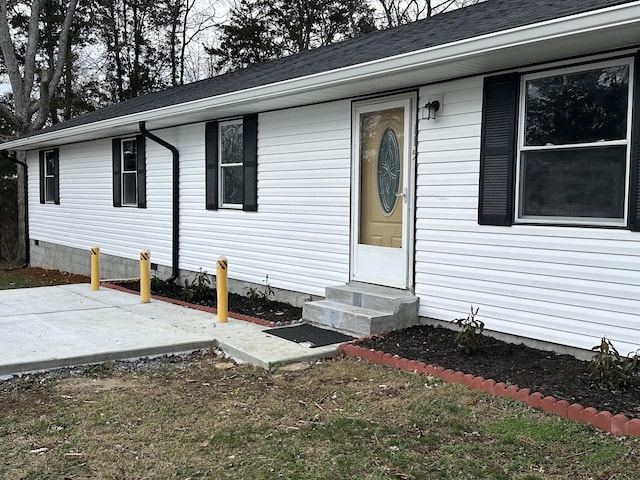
column 261, row 30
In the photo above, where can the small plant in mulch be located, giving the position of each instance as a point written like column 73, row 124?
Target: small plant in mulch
column 157, row 284
column 468, row 338
column 610, row 370
column 199, row 289
column 259, row 296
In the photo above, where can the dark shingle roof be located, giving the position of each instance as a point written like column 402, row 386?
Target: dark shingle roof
column 480, row 19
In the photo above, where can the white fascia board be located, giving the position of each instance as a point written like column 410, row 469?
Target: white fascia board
column 588, row 22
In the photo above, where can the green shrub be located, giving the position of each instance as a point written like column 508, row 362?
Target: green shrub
column 468, row 337
column 199, row 289
column 610, row 370
column 259, row 296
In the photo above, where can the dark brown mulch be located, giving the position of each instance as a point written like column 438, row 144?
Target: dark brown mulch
column 273, row 311
column 562, row 376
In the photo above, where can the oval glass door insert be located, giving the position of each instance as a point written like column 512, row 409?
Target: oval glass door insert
column 388, row 170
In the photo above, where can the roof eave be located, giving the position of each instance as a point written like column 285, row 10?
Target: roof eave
column 588, row 23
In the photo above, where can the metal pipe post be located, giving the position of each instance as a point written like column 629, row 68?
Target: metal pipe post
column 221, row 288
column 95, row 268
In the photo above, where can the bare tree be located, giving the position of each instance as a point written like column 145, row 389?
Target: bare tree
column 399, row 12
column 184, row 24
column 34, row 78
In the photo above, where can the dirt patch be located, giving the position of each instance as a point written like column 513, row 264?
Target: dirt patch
column 72, row 386
column 562, row 376
column 37, row 277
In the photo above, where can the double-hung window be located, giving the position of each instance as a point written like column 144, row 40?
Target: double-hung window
column 557, row 147
column 231, row 155
column 49, row 176
column 574, row 138
column 231, row 164
column 129, row 172
column 129, row 158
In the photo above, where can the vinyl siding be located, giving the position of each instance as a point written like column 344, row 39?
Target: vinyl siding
column 86, row 215
column 565, row 285
column 300, row 235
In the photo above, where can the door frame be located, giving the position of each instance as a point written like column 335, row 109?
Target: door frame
column 408, row 100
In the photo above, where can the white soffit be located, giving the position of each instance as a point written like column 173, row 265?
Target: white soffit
column 601, row 30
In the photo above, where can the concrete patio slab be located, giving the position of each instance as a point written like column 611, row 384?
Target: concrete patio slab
column 50, row 327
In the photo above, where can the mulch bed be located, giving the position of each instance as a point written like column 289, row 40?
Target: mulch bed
column 561, row 376
column 273, row 312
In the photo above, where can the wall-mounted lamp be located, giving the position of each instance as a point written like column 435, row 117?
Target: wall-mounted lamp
column 428, row 112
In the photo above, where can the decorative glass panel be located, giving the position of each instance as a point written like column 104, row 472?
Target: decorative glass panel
column 129, row 189
column 231, row 146
column 581, row 182
column 232, row 185
column 129, row 156
column 388, row 170
column 579, row 107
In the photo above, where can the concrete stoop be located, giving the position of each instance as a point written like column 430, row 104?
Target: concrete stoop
column 363, row 309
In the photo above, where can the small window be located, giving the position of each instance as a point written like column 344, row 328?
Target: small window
column 49, row 177
column 231, row 164
column 129, row 172
column 574, row 144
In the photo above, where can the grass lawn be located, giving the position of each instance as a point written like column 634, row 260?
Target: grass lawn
column 346, row 419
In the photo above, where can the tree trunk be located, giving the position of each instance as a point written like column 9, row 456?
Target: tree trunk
column 22, row 234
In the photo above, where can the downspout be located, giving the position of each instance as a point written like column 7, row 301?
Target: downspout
column 27, row 249
column 175, row 224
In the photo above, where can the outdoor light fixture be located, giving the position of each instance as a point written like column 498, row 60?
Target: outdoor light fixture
column 429, row 110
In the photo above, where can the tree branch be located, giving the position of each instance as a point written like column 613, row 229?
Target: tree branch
column 62, row 48
column 9, row 54
column 30, row 55
column 10, row 117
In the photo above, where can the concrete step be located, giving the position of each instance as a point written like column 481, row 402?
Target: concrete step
column 374, row 297
column 348, row 318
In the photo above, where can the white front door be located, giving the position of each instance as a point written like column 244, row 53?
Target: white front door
column 382, row 191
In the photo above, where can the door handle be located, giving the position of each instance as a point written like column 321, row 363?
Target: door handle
column 403, row 194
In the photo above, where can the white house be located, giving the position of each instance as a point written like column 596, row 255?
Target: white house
column 485, row 156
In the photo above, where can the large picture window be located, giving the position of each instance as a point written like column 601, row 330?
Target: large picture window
column 574, row 140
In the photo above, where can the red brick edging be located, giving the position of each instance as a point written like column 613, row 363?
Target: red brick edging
column 236, row 316
column 618, row 425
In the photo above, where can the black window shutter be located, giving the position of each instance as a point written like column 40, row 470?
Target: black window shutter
column 250, row 166
column 497, row 150
column 42, row 174
column 141, row 167
column 56, row 178
column 211, row 165
column 634, row 173
column 117, row 170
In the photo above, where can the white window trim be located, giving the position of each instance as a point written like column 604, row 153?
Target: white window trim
column 221, row 166
column 124, row 172
column 47, row 175
column 521, row 147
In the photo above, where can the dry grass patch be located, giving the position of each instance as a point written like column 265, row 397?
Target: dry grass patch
column 344, row 419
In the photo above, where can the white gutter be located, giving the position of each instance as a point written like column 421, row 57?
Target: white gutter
column 588, row 22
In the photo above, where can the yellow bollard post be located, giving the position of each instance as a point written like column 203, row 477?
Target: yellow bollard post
column 145, row 277
column 95, row 268
column 221, row 288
